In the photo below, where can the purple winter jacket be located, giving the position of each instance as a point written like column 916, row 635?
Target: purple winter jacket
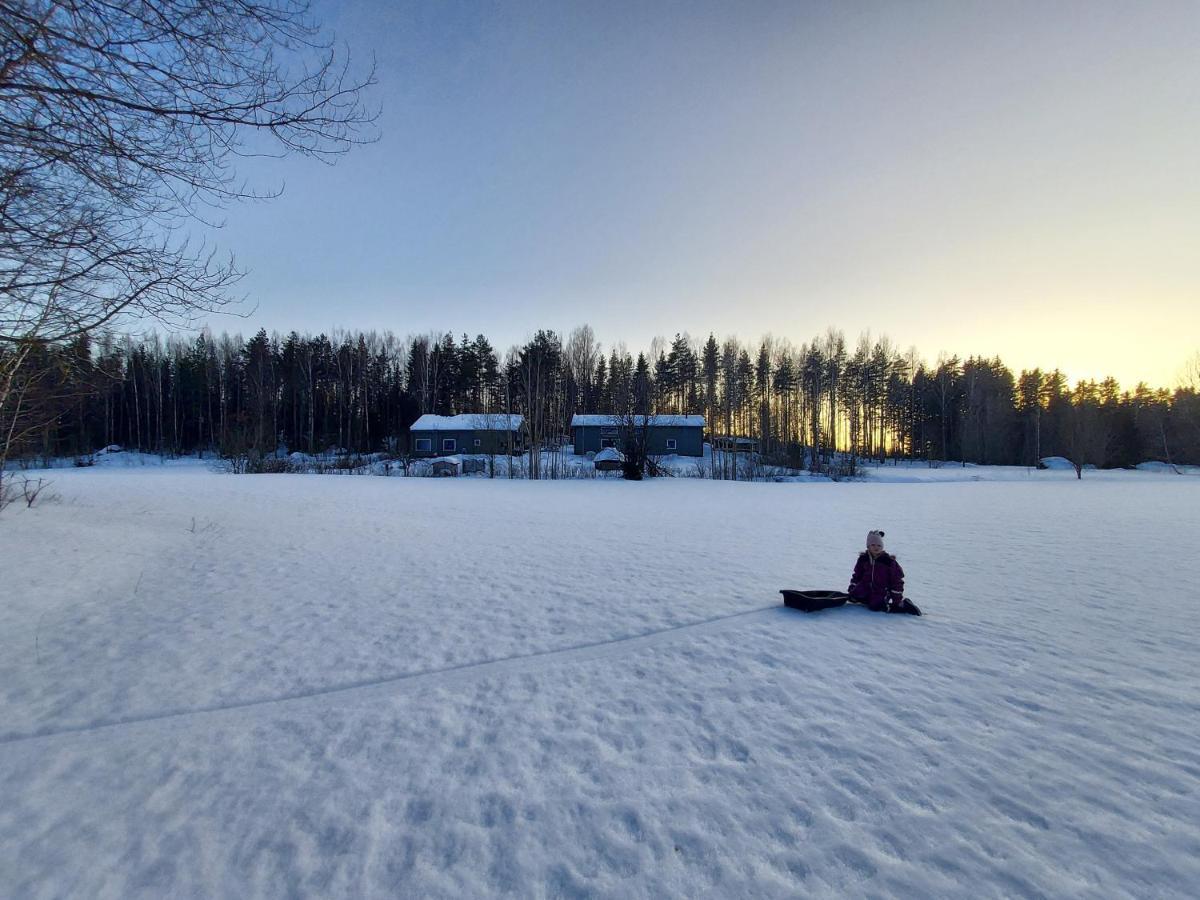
column 876, row 581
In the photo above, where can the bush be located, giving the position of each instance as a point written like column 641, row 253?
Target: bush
column 28, row 489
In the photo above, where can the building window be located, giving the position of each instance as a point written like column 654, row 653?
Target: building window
column 424, row 445
column 672, row 444
column 607, row 442
column 449, row 445
column 478, row 442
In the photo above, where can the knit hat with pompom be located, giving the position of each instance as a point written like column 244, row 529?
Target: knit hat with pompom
column 874, row 537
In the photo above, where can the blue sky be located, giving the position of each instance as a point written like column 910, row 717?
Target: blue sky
column 1012, row 179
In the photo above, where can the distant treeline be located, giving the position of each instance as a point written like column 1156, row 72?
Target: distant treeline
column 361, row 391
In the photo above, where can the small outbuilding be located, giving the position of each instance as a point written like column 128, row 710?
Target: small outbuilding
column 734, row 443
column 665, row 435
column 478, row 433
column 610, row 459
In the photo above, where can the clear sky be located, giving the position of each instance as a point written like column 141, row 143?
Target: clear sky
column 1020, row 179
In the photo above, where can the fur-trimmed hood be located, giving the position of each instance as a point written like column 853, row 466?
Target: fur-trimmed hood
column 883, row 557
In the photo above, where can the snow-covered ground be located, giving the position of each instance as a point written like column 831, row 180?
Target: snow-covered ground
column 278, row 685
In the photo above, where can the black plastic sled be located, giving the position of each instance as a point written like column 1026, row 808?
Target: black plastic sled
column 813, row 601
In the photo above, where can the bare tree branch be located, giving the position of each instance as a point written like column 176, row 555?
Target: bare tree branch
column 120, row 123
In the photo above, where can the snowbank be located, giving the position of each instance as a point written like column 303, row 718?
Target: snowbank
column 1057, row 462
column 1163, row 468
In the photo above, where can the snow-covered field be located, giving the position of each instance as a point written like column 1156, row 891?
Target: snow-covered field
column 264, row 686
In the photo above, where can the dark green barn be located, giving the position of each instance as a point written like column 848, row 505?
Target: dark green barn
column 471, row 433
column 665, row 435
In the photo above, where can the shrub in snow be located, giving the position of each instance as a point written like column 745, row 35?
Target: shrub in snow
column 30, row 490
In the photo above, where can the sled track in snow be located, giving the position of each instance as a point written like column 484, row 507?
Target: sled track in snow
column 435, row 677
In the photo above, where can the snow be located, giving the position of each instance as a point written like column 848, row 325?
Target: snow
column 1155, row 466
column 291, row 685
column 1162, row 467
column 469, row 422
column 915, row 472
column 609, row 454
column 1057, row 462
column 605, row 420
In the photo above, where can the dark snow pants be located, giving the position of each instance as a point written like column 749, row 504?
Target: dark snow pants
column 862, row 593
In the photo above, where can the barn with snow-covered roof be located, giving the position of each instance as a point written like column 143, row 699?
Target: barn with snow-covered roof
column 665, row 435
column 485, row 433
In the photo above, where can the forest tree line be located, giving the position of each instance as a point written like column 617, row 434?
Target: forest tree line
column 359, row 392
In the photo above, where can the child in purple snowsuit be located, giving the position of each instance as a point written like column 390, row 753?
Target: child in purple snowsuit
column 878, row 580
